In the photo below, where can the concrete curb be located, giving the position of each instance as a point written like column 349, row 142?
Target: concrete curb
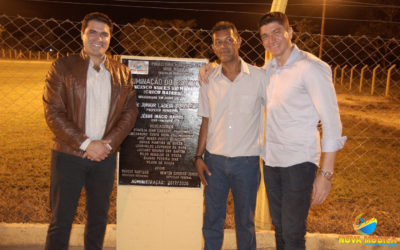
column 17, row 234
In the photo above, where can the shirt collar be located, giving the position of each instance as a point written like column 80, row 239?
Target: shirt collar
column 293, row 57
column 243, row 68
column 104, row 64
column 101, row 64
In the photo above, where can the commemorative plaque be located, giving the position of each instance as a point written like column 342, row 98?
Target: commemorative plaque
column 159, row 149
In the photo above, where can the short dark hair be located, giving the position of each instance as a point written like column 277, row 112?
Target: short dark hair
column 97, row 16
column 224, row 25
column 278, row 17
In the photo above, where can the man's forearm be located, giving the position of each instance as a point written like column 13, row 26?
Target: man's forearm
column 201, row 145
column 323, row 182
column 198, row 162
column 125, row 123
column 328, row 161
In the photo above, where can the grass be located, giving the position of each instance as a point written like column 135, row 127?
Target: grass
column 367, row 170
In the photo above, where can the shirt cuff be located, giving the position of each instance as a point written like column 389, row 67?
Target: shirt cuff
column 109, row 147
column 202, row 114
column 333, row 145
column 85, row 144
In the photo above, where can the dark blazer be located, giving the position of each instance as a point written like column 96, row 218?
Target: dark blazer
column 64, row 100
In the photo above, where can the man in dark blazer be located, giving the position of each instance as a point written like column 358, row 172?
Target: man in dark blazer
column 90, row 107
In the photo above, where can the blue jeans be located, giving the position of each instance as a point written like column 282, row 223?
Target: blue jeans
column 69, row 174
column 242, row 175
column 289, row 195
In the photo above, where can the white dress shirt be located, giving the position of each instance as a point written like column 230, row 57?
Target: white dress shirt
column 299, row 95
column 234, row 111
column 98, row 94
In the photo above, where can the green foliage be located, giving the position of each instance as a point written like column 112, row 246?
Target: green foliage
column 172, row 38
column 384, row 29
column 305, row 25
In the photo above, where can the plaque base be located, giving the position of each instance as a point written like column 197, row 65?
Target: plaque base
column 165, row 218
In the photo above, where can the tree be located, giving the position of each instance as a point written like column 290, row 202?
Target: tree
column 304, row 34
column 305, row 25
column 149, row 37
column 383, row 11
column 386, row 33
column 2, row 29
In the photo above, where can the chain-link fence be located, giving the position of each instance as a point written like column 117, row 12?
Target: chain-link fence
column 366, row 78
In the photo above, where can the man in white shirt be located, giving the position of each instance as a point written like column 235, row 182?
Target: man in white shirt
column 300, row 93
column 229, row 138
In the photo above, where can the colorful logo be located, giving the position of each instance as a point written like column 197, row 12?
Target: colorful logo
column 365, row 225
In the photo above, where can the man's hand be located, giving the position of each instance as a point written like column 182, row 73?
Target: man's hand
column 97, row 150
column 201, row 167
column 205, row 71
column 322, row 186
column 321, row 190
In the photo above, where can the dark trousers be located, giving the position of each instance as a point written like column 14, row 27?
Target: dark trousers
column 289, row 195
column 241, row 175
column 68, row 175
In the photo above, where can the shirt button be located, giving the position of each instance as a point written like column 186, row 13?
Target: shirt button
column 230, row 126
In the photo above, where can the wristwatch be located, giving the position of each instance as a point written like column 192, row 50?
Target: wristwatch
column 196, row 157
column 328, row 175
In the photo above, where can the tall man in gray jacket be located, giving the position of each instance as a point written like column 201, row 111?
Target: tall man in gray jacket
column 90, row 107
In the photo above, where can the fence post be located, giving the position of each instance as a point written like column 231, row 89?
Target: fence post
column 342, row 74
column 30, row 55
column 10, row 53
column 362, row 77
column 48, row 56
column 38, row 54
column 388, row 79
column 373, row 78
column 15, row 54
column 335, row 73
column 351, row 75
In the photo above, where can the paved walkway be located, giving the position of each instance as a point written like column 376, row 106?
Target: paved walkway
column 36, row 247
column 32, row 237
column 78, row 248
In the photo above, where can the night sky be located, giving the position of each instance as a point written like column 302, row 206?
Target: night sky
column 207, row 12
